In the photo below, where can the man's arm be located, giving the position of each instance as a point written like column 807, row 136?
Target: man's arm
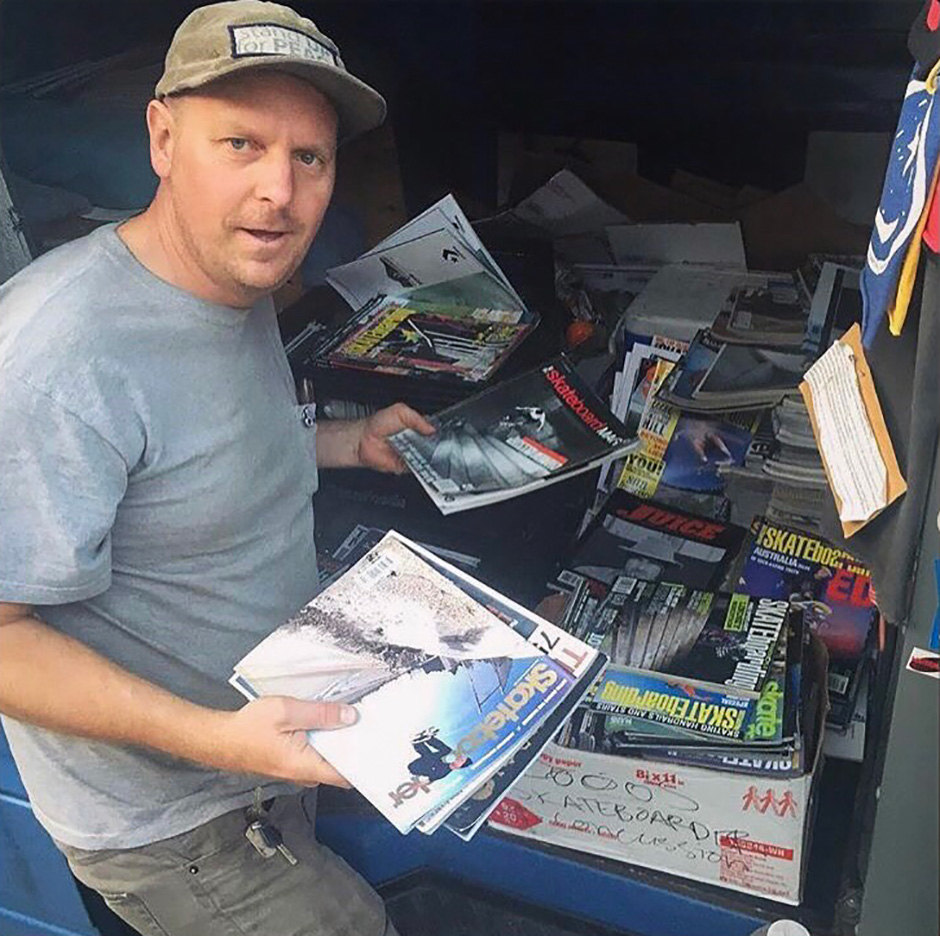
column 49, row 679
column 363, row 443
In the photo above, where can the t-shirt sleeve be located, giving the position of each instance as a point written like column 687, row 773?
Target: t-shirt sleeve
column 60, row 486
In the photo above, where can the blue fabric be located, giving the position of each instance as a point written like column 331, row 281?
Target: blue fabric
column 934, row 643
column 910, row 170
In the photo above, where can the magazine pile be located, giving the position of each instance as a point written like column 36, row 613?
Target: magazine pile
column 456, row 687
column 536, row 429
column 699, row 673
column 428, row 300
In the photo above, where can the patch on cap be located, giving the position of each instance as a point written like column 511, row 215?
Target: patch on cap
column 256, row 39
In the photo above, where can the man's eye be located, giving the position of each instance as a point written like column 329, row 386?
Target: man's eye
column 308, row 159
column 238, row 143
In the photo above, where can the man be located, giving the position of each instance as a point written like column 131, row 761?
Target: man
column 156, row 476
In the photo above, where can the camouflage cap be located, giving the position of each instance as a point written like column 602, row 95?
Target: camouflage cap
column 226, row 38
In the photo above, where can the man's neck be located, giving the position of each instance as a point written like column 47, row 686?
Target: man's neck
column 149, row 237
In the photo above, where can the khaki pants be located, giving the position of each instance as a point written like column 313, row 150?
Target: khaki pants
column 212, row 882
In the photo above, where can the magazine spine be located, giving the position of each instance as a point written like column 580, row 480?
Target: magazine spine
column 681, row 703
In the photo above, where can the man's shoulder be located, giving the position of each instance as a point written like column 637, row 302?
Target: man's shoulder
column 49, row 273
column 61, row 299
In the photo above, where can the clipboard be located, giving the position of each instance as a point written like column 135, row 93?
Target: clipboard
column 896, row 485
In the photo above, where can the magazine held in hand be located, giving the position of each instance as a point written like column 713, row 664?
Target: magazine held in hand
column 541, row 427
column 452, row 683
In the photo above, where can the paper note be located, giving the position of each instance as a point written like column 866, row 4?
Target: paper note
column 856, row 467
column 851, row 435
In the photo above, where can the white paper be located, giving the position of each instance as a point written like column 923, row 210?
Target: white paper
column 445, row 215
column 430, row 260
column 679, row 300
column 565, row 205
column 716, row 244
column 857, row 471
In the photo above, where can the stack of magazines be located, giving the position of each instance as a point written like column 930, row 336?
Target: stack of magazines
column 715, row 375
column 705, row 668
column 429, row 300
column 457, row 688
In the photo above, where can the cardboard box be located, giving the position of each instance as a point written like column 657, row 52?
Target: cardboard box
column 748, row 833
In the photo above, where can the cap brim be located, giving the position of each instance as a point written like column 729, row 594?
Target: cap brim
column 359, row 108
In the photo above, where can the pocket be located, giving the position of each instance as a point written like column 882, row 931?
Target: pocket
column 133, row 911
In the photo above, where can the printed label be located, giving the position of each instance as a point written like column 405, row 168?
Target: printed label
column 268, row 39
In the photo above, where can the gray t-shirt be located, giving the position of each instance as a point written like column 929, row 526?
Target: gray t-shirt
column 156, row 477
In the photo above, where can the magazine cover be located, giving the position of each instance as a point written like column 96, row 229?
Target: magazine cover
column 681, row 383
column 835, row 589
column 728, row 641
column 473, row 812
column 582, row 662
column 578, row 597
column 669, row 643
column 407, row 335
column 832, row 588
column 446, row 215
column 672, row 702
column 746, row 375
column 631, row 389
column 716, row 375
column 538, row 428
column 831, row 288
column 436, row 267
column 766, row 309
column 649, row 540
column 771, row 724
column 683, row 450
column 443, row 688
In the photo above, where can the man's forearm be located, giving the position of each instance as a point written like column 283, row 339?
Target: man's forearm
column 338, row 443
column 51, row 680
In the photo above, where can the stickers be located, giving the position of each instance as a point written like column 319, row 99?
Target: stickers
column 926, row 662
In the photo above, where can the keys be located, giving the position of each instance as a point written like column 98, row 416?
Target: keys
column 267, row 841
column 274, row 839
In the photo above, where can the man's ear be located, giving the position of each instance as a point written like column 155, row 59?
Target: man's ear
column 163, row 127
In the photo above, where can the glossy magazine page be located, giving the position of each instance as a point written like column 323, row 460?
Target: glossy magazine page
column 445, row 690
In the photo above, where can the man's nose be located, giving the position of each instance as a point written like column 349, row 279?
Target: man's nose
column 275, row 180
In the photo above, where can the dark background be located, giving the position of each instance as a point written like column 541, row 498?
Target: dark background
column 725, row 90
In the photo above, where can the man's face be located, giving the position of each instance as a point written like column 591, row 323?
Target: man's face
column 250, row 172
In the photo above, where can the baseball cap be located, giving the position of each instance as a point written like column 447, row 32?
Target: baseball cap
column 227, row 38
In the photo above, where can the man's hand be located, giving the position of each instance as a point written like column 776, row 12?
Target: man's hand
column 374, row 451
column 268, row 737
column 363, row 443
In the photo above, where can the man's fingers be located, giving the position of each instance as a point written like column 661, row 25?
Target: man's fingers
column 411, row 419
column 323, row 772
column 319, row 715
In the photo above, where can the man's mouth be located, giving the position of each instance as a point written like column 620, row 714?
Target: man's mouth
column 264, row 235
